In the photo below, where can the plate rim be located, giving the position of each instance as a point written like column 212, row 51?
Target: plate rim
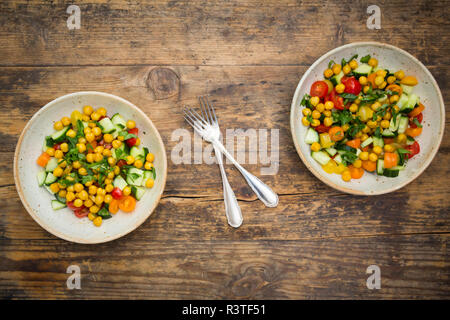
column 54, row 231
column 350, row 190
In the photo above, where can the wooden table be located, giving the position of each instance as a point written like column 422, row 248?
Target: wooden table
column 248, row 56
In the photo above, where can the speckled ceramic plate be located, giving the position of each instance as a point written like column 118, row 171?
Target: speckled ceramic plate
column 391, row 58
column 63, row 223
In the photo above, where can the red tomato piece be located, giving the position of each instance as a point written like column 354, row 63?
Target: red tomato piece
column 81, row 212
column 352, row 85
column 337, row 100
column 414, row 149
column 322, row 128
column 419, row 118
column 116, row 193
column 71, row 206
column 132, row 141
column 121, row 163
column 319, row 89
column 134, row 131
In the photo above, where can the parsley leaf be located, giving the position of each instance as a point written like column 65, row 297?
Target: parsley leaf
column 365, row 59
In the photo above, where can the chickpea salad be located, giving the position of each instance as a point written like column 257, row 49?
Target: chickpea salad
column 362, row 117
column 93, row 165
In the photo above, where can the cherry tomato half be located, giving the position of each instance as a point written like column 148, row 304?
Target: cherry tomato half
column 419, row 118
column 132, row 141
column 81, row 212
column 351, row 85
column 414, row 149
column 319, row 89
column 321, row 128
column 116, row 193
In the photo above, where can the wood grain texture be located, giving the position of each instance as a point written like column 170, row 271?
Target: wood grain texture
column 248, row 56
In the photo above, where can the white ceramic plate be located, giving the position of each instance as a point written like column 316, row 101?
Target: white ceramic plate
column 63, row 223
column 391, row 58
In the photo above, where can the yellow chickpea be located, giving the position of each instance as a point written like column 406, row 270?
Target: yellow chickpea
column 363, row 80
column 95, row 116
column 353, row 108
column 327, row 121
column 391, row 79
column 138, row 142
column 98, row 157
column 83, row 195
column 78, row 203
column 399, row 74
column 305, row 121
column 111, row 161
column 329, row 105
column 64, row 147
column 106, row 153
column 93, row 190
column 327, row 113
column 328, row 73
column 111, row 175
column 94, row 209
column 315, row 122
column 58, row 125
column 81, row 147
column 346, row 69
column 108, row 138
column 353, row 64
column 82, row 171
column 394, row 99
column 98, row 221
column 96, row 131
column 149, row 183
column 50, row 152
column 109, row 187
column 384, row 124
column 90, row 137
column 306, row 111
column 78, row 187
column 346, row 175
column 388, row 148
column 377, row 150
column 116, row 170
column 66, row 121
column 357, row 163
column 373, row 62
column 101, row 111
column 88, row 203
column 71, row 133
column 76, row 164
column 364, row 155
column 130, row 159
column 131, row 124
column 340, row 88
column 54, row 187
column 62, row 193
column 99, row 199
column 150, row 157
column 149, row 165
column 70, row 196
column 59, row 154
column 316, row 114
column 383, row 85
column 116, row 144
column 87, row 110
column 336, row 68
column 108, row 198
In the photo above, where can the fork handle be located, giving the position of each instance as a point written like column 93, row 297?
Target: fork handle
column 232, row 209
column 262, row 191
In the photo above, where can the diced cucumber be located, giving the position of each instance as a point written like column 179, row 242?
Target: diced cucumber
column 115, row 133
column 48, row 189
column 119, row 182
column 388, row 133
column 380, row 167
column 378, row 142
column 403, row 124
column 406, row 89
column 366, row 142
column 311, row 136
column 147, row 175
column 41, row 177
column 106, row 125
column 331, row 151
column 413, row 100
column 51, row 165
column 321, row 157
column 399, row 168
column 403, row 100
column 358, row 151
column 337, row 78
column 362, row 70
column 119, row 121
column 395, row 122
column 44, row 146
column 49, row 179
column 56, row 205
column 104, row 213
column 60, row 199
column 60, row 135
column 391, row 173
column 338, row 158
column 138, row 192
column 135, row 176
column 137, row 153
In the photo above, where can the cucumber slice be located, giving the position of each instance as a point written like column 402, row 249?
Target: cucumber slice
column 391, row 173
column 119, row 182
column 413, row 100
column 49, row 179
column 388, row 133
column 138, row 192
column 338, row 158
column 406, row 89
column 41, row 177
column 113, row 151
column 366, row 142
column 135, row 176
column 104, row 213
column 399, row 168
column 378, row 142
column 321, row 157
column 57, row 205
column 119, row 121
column 403, row 124
column 403, row 100
column 337, row 78
column 60, row 135
column 380, row 167
column 49, row 190
column 394, row 126
column 60, row 199
column 138, row 153
column 147, row 175
column 362, row 70
column 311, row 136
column 410, row 140
column 106, row 125
column 51, row 165
column 331, row 151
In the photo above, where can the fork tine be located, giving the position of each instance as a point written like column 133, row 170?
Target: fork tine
column 194, row 124
column 198, row 122
column 204, row 109
column 196, row 117
column 211, row 109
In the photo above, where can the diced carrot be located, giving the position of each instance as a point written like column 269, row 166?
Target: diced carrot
column 43, row 159
column 390, row 159
column 355, row 143
column 413, row 132
column 388, row 140
column 417, row 110
column 356, row 173
column 369, row 165
column 336, row 133
column 371, row 79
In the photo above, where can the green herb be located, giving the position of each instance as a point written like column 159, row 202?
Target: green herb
column 377, row 132
column 127, row 135
column 49, row 142
column 348, row 97
column 330, row 64
column 305, row 101
column 342, row 117
column 348, row 157
column 402, row 151
column 417, row 123
column 309, row 118
column 365, row 59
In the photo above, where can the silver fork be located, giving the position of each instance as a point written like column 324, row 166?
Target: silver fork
column 210, row 131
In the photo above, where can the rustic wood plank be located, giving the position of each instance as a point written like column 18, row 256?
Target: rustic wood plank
column 212, row 32
column 411, row 267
